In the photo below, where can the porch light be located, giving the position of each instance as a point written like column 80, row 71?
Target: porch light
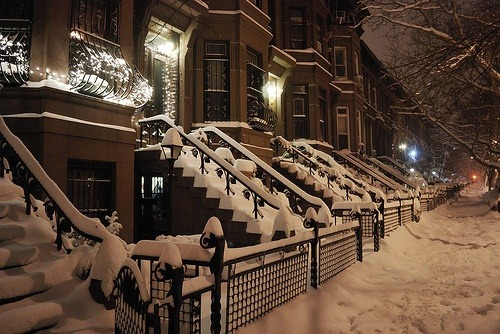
column 171, row 145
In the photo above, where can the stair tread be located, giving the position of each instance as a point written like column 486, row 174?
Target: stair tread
column 15, row 255
column 11, row 231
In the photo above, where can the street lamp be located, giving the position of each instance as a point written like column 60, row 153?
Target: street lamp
column 171, row 147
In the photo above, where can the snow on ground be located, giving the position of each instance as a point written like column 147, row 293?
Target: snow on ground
column 440, row 275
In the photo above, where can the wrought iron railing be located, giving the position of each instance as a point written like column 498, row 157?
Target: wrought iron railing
column 97, row 68
column 153, row 130
column 15, row 45
column 299, row 200
column 388, row 171
column 15, row 158
column 258, row 278
column 368, row 174
column 260, row 116
column 366, row 214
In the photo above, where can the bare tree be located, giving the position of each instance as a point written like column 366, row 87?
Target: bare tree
column 445, row 53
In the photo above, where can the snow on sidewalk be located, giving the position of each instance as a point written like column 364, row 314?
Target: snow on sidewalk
column 437, row 276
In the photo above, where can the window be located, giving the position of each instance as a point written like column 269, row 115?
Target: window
column 369, row 92
column 91, row 187
column 216, row 82
column 319, row 35
column 375, row 102
column 356, row 63
column 322, row 115
column 340, row 63
column 297, row 29
column 359, row 126
column 99, row 17
column 162, row 68
column 257, row 3
column 300, row 111
column 15, row 41
column 255, row 76
column 343, row 127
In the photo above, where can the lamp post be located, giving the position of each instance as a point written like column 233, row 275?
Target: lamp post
column 171, row 147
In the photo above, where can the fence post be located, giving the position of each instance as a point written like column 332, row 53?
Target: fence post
column 399, row 213
column 381, row 209
column 359, row 242
column 174, row 310
column 211, row 237
column 311, row 221
column 376, row 232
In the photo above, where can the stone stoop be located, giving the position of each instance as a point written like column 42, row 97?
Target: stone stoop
column 308, row 188
column 191, row 208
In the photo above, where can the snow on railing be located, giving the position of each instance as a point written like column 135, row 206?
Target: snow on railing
column 268, row 197
column 272, row 201
column 290, row 186
column 268, row 274
column 373, row 175
column 92, row 228
column 111, row 250
column 325, row 164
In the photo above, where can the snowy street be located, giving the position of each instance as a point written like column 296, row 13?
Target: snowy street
column 440, row 275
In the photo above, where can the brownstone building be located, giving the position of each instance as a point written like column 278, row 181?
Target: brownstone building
column 79, row 74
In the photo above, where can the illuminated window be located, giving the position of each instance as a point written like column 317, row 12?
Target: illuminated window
column 162, row 68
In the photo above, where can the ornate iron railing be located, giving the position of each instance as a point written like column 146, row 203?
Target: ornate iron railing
column 97, row 68
column 260, row 116
column 388, row 171
column 366, row 214
column 155, row 287
column 11, row 161
column 299, row 200
column 153, row 130
column 15, row 45
column 28, row 174
column 258, row 278
column 365, row 172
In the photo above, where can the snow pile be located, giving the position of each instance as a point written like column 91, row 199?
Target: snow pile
column 57, row 281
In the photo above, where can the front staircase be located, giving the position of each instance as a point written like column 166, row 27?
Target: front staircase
column 39, row 285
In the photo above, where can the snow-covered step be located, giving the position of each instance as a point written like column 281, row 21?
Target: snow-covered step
column 11, row 231
column 32, row 318
column 15, row 255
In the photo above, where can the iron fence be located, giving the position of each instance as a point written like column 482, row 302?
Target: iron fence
column 254, row 280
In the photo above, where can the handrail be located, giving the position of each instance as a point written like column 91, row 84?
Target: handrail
column 231, row 172
column 61, row 205
column 290, row 186
column 390, row 172
column 316, row 165
column 361, row 166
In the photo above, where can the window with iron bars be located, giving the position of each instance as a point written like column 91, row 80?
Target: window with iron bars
column 216, row 82
column 91, row 187
column 98, row 17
